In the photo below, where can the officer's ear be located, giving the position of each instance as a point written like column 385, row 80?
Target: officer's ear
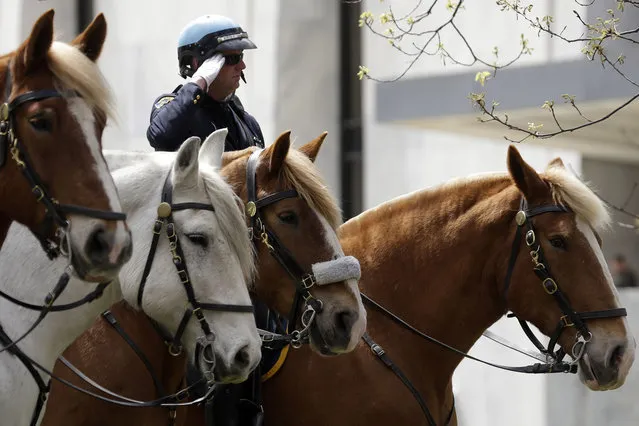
column 276, row 153
column 91, row 40
column 312, row 148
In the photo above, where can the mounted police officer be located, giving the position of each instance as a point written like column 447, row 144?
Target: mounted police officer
column 210, row 52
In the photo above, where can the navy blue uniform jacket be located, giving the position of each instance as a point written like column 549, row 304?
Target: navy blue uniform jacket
column 189, row 111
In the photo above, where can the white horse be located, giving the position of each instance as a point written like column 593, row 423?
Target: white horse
column 214, row 245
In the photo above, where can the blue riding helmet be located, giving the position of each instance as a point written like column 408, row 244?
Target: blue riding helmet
column 207, row 35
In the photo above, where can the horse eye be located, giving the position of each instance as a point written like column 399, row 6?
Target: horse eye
column 289, row 218
column 41, row 124
column 558, row 242
column 198, row 239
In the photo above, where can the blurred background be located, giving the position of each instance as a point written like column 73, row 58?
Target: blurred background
column 386, row 139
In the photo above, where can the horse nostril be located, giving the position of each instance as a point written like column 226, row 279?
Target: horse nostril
column 99, row 245
column 616, row 356
column 242, row 358
column 344, row 320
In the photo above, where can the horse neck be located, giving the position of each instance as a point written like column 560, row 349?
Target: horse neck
column 436, row 259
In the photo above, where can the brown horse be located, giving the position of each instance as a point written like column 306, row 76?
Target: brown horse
column 439, row 259
column 298, row 215
column 54, row 104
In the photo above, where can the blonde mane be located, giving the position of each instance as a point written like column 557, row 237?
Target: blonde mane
column 569, row 191
column 302, row 174
column 75, row 71
column 566, row 189
column 231, row 219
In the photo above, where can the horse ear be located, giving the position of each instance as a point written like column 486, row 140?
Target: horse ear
column 276, row 153
column 91, row 40
column 556, row 163
column 525, row 177
column 312, row 148
column 32, row 54
column 213, row 148
column 186, row 165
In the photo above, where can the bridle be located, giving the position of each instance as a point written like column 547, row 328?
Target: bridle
column 304, row 281
column 164, row 219
column 55, row 222
column 571, row 318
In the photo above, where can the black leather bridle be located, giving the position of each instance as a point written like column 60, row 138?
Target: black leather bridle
column 571, row 318
column 303, row 280
column 165, row 220
column 55, row 221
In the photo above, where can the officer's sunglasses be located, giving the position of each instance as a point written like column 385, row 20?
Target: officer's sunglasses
column 233, row 59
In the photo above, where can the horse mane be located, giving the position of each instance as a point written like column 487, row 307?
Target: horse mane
column 75, row 71
column 231, row 219
column 303, row 175
column 570, row 191
column 567, row 190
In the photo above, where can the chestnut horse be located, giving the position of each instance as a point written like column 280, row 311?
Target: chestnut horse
column 299, row 217
column 54, row 104
column 445, row 261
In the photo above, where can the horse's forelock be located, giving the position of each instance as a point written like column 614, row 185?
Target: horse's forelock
column 569, row 191
column 304, row 176
column 74, row 71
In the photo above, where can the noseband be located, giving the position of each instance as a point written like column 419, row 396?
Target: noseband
column 571, row 318
column 55, row 212
column 165, row 220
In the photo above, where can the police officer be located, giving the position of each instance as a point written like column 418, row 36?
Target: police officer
column 210, row 52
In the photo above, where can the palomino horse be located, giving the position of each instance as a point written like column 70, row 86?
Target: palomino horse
column 304, row 225
column 190, row 269
column 54, row 104
column 439, row 259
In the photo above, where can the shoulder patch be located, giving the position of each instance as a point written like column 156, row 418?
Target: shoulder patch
column 163, row 101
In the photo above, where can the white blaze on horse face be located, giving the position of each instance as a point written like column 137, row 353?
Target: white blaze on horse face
column 629, row 353
column 360, row 325
column 82, row 226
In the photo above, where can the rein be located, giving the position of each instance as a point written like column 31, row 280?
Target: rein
column 55, row 221
column 10, row 345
